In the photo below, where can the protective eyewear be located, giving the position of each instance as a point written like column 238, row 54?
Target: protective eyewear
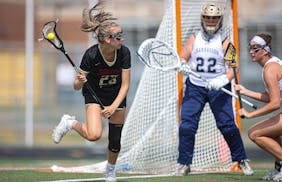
column 255, row 47
column 118, row 36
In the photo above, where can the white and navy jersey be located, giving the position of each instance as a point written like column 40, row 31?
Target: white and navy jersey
column 279, row 61
column 104, row 77
column 207, row 58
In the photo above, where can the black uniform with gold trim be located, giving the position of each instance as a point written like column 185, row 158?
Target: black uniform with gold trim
column 104, row 77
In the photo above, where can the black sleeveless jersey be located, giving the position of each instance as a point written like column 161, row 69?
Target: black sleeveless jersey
column 105, row 80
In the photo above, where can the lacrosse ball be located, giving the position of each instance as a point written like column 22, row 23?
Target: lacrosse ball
column 51, row 36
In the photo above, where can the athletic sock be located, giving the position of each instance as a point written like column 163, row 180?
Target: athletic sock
column 278, row 166
column 70, row 122
column 110, row 166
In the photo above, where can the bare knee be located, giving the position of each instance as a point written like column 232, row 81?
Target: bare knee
column 255, row 136
column 252, row 135
column 94, row 137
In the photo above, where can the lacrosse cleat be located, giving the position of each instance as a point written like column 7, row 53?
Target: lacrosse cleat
column 270, row 175
column 183, row 170
column 278, row 168
column 110, row 173
column 278, row 176
column 245, row 167
column 62, row 128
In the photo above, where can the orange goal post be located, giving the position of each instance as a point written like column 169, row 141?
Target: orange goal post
column 150, row 134
column 149, row 142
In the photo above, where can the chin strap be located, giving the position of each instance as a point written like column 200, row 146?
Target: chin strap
column 206, row 36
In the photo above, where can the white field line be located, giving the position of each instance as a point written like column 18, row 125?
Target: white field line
column 123, row 177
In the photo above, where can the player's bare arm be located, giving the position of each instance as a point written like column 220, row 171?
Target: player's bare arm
column 272, row 80
column 79, row 81
column 272, row 98
column 249, row 93
column 186, row 51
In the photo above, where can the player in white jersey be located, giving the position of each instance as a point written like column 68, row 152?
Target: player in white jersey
column 205, row 50
column 267, row 134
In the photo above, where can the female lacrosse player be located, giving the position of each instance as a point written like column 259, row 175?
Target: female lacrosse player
column 106, row 68
column 206, row 51
column 267, row 134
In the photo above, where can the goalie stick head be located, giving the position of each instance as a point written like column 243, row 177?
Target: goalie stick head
column 158, row 54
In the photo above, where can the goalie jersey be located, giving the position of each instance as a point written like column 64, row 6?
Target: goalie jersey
column 207, row 58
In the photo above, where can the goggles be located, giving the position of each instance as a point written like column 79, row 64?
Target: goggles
column 255, row 47
column 118, row 36
column 260, row 42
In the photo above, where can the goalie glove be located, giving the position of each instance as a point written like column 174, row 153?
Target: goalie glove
column 217, row 83
column 184, row 68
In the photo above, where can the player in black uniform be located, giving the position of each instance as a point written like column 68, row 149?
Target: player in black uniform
column 106, row 68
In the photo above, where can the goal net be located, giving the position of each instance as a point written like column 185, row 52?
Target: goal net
column 149, row 142
column 150, row 134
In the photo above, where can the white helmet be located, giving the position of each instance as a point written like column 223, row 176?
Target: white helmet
column 211, row 10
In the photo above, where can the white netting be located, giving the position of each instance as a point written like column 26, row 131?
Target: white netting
column 150, row 134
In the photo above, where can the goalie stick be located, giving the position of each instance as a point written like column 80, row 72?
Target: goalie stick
column 157, row 54
column 48, row 29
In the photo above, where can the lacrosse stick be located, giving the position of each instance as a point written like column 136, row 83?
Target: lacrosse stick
column 230, row 55
column 49, row 33
column 158, row 55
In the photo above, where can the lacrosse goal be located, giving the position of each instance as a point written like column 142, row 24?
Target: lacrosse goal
column 149, row 141
column 150, row 134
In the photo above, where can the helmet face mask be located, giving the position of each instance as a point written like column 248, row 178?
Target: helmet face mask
column 211, row 18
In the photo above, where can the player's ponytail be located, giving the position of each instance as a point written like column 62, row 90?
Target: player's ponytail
column 98, row 21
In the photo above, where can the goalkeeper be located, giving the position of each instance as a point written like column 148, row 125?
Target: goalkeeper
column 205, row 50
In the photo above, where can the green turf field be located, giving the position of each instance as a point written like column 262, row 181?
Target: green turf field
column 23, row 170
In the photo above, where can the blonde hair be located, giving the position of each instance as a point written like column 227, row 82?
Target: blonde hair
column 98, row 21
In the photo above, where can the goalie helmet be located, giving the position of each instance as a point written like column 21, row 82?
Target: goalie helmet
column 211, row 18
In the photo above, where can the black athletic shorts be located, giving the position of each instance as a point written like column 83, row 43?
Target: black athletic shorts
column 89, row 99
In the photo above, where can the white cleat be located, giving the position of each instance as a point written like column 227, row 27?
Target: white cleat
column 277, row 176
column 110, row 174
column 183, row 170
column 62, row 128
column 245, row 167
column 270, row 175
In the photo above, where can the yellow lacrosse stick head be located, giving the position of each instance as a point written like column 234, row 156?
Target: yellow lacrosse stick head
column 230, row 55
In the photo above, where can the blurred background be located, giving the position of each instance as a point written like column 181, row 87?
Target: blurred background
column 36, row 79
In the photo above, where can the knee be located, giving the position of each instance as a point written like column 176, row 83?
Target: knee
column 94, row 137
column 114, row 137
column 230, row 130
column 186, row 129
column 252, row 135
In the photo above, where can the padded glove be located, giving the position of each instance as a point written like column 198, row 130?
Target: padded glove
column 184, row 68
column 217, row 83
